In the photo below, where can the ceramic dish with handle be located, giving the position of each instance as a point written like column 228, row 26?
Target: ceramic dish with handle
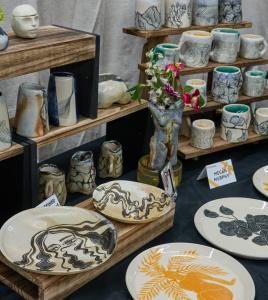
column 260, row 180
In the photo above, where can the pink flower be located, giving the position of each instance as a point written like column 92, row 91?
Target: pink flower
column 195, row 101
column 173, row 69
column 170, row 91
column 180, row 66
column 196, row 93
column 187, row 99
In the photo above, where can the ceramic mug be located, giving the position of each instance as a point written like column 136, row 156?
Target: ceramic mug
column 261, row 121
column 235, row 123
column 226, row 84
column 205, row 12
column 31, row 118
column 230, row 11
column 225, row 45
column 170, row 53
column 195, row 47
column 254, row 83
column 202, row 134
column 253, row 46
column 178, row 13
column 5, row 132
column 148, row 14
column 201, row 85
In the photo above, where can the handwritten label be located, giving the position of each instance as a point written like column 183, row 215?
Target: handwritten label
column 168, row 179
column 50, row 202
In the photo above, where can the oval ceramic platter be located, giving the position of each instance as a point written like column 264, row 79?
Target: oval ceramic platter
column 131, row 202
column 188, row 271
column 260, row 180
column 236, row 225
column 58, row 240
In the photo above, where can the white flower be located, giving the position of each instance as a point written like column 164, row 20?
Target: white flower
column 154, row 79
column 149, row 72
column 159, row 92
column 149, row 64
column 164, row 80
column 160, row 56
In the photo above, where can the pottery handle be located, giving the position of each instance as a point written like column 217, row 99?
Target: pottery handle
column 49, row 189
column 265, row 48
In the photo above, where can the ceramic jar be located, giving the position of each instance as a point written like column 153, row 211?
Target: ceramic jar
column 111, row 160
column 225, row 46
column 202, row 134
column 178, row 13
column 201, row 86
column 31, row 119
column 205, row 12
column 235, row 123
column 5, row 132
column 261, row 121
column 226, row 84
column 253, row 46
column 254, row 83
column 230, row 11
column 52, row 181
column 195, row 47
column 82, row 174
column 148, row 14
column 3, row 39
column 170, row 53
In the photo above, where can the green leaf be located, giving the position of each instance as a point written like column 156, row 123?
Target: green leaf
column 201, row 101
column 2, row 14
column 188, row 89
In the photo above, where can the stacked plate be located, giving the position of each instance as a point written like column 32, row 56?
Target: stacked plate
column 260, row 180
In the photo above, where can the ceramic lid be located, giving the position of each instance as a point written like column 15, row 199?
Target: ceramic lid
column 24, row 10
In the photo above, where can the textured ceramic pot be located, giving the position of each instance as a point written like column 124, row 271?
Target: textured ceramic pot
column 205, row 12
column 148, row 14
column 235, row 123
column 226, row 84
column 170, row 53
column 195, row 47
column 254, row 83
column 32, row 115
column 261, row 121
column 201, row 86
column 202, row 134
column 82, row 174
column 3, row 39
column 225, row 46
column 230, row 11
column 253, row 46
column 111, row 160
column 5, row 132
column 178, row 13
column 52, row 181
column 62, row 99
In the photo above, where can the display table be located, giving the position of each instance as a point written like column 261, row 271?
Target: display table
column 192, row 195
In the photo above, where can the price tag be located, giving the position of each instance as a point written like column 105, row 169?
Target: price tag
column 50, row 202
column 168, row 179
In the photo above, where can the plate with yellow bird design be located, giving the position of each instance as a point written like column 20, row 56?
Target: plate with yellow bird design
column 188, row 272
column 260, row 180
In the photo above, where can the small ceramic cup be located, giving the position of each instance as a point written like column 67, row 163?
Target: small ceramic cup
column 261, row 121
column 230, row 11
column 202, row 134
column 205, row 12
column 178, row 13
column 195, row 47
column 148, row 14
column 226, row 84
column 235, row 123
column 254, row 83
column 52, row 181
column 111, row 160
column 225, row 46
column 201, row 85
column 170, row 53
column 253, row 46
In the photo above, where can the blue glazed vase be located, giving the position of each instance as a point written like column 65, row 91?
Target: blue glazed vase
column 3, row 39
column 230, row 11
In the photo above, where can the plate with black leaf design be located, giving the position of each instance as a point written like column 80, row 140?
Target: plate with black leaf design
column 260, row 180
column 236, row 225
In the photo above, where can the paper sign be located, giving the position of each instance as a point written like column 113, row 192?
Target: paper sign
column 219, row 174
column 50, row 202
column 168, row 179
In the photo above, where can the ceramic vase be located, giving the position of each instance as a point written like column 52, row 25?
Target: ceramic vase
column 201, row 86
column 52, row 181
column 3, row 39
column 170, row 54
column 5, row 132
column 202, row 134
column 178, row 13
column 261, row 121
column 205, row 12
column 31, row 119
column 82, row 174
column 254, row 83
column 253, row 46
column 111, row 160
column 230, row 11
column 148, row 14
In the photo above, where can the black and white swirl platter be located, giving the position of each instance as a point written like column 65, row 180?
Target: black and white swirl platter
column 58, row 240
column 131, row 202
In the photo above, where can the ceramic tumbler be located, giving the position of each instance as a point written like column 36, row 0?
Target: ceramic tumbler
column 178, row 13
column 52, row 181
column 254, row 83
column 31, row 119
column 201, row 86
column 5, row 132
column 111, row 160
column 148, row 14
column 82, row 174
column 226, row 84
column 170, row 54
column 205, row 12
column 225, row 46
column 202, row 134
column 253, row 46
column 235, row 123
column 261, row 121
column 62, row 99
column 195, row 47
column 230, row 11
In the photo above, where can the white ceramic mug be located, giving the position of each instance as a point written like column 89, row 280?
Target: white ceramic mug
column 205, row 12
column 261, row 121
column 202, row 134
column 170, row 53
column 201, row 85
column 254, row 83
column 178, row 13
column 148, row 14
column 253, row 46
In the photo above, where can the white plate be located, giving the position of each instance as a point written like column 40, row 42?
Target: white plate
column 188, row 271
column 260, row 180
column 236, row 225
column 57, row 240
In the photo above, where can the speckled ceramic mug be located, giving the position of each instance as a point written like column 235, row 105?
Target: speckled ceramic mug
column 253, row 46
column 254, row 83
column 202, row 134
column 205, row 12
column 261, row 121
column 170, row 53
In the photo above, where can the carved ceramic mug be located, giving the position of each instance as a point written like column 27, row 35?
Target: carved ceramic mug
column 170, row 54
column 254, row 83
column 230, row 11
column 202, row 134
column 178, row 13
column 201, row 86
column 253, row 46
column 261, row 121
column 148, row 14
column 205, row 12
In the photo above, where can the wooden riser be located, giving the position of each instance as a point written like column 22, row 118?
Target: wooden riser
column 15, row 150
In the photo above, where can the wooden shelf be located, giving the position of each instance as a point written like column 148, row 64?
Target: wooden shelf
column 55, row 46
column 15, row 150
column 104, row 116
column 165, row 31
column 186, row 151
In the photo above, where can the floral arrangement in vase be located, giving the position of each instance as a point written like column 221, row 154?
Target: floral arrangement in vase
column 3, row 35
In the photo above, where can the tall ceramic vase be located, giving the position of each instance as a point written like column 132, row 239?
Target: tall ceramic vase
column 5, row 133
column 148, row 14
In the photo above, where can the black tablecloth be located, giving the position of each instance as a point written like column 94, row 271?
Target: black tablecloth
column 192, row 195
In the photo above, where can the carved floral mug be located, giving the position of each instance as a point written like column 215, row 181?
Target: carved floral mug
column 202, row 134
column 148, row 14
column 205, row 12
column 178, row 13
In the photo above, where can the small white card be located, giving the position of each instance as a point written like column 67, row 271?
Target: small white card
column 168, row 179
column 50, row 202
column 219, row 174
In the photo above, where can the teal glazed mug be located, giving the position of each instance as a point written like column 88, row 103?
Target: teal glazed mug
column 254, row 83
column 169, row 54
